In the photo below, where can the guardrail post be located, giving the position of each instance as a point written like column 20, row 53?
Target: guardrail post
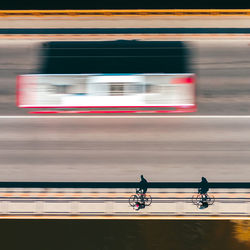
column 215, row 208
column 5, row 207
column 109, row 207
column 179, row 207
column 74, row 208
column 39, row 207
column 248, row 208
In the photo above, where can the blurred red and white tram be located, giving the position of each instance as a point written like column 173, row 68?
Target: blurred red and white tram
column 109, row 93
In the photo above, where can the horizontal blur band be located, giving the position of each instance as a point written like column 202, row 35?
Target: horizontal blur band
column 126, row 217
column 129, row 31
column 131, row 12
column 120, row 184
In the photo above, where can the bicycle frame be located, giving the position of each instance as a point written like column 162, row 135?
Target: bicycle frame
column 141, row 197
column 200, row 198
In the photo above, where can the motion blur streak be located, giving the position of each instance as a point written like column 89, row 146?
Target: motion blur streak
column 128, row 117
column 148, row 92
column 220, row 66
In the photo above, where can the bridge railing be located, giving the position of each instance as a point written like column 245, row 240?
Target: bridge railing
column 92, row 202
column 132, row 12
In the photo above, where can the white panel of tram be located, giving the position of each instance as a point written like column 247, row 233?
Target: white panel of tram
column 106, row 90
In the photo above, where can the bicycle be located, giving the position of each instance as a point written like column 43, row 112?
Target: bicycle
column 140, row 197
column 198, row 199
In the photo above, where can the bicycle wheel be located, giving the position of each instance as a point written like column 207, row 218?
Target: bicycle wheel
column 210, row 199
column 196, row 199
column 147, row 200
column 132, row 200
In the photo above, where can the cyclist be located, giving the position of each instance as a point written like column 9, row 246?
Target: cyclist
column 143, row 185
column 203, row 189
column 203, row 200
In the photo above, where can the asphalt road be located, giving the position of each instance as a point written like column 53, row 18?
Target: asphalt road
column 121, row 149
column 222, row 68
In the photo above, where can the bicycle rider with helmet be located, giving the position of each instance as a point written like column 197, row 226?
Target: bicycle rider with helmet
column 143, row 186
column 203, row 189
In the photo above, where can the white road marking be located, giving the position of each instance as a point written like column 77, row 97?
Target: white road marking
column 131, row 117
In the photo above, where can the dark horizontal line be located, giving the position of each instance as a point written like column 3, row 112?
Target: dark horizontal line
column 120, row 185
column 127, row 31
column 145, row 47
column 119, row 56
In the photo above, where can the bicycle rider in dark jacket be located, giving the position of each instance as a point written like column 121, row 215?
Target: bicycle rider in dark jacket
column 143, row 185
column 203, row 186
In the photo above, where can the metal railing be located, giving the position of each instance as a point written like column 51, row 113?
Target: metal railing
column 139, row 12
column 93, row 207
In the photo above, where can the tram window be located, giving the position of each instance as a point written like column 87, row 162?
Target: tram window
column 116, row 89
column 61, row 89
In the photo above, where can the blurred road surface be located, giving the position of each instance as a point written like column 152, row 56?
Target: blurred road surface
column 121, row 149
